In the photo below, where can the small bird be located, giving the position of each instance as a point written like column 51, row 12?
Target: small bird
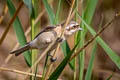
column 47, row 36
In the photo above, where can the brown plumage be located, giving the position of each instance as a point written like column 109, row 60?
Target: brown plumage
column 20, row 50
column 47, row 36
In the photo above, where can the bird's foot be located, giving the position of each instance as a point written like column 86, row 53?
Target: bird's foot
column 59, row 39
column 52, row 59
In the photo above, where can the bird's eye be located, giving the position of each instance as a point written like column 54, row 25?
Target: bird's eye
column 74, row 26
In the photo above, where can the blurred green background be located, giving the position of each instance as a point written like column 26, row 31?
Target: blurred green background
column 103, row 67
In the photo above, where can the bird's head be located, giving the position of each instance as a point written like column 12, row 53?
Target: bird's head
column 71, row 28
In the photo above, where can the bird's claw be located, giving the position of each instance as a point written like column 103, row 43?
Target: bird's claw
column 59, row 39
column 52, row 59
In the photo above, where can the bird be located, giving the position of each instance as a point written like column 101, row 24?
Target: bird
column 46, row 36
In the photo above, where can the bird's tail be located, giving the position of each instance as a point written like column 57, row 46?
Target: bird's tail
column 21, row 50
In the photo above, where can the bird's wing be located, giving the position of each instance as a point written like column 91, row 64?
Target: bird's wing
column 48, row 28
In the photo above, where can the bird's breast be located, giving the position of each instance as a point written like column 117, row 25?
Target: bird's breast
column 43, row 40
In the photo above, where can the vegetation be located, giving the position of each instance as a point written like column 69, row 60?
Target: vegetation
column 86, row 42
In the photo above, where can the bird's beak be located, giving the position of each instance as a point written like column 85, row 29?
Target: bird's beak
column 80, row 29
